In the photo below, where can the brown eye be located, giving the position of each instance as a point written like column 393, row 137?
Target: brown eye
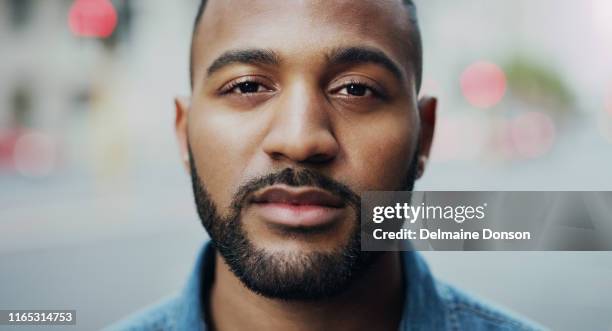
column 249, row 87
column 356, row 90
column 245, row 86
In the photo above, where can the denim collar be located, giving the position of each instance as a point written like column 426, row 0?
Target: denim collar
column 423, row 307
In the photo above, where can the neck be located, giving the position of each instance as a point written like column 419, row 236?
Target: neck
column 374, row 301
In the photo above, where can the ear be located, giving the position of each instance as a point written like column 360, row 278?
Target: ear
column 427, row 112
column 182, row 105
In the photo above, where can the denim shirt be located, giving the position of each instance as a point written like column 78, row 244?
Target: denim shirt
column 429, row 304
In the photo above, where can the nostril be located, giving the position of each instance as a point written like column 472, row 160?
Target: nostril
column 276, row 156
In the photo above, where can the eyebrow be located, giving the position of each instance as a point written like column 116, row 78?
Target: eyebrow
column 338, row 56
column 244, row 56
column 358, row 55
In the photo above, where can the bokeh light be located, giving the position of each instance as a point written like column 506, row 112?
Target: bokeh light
column 35, row 154
column 8, row 138
column 92, row 18
column 483, row 84
column 533, row 134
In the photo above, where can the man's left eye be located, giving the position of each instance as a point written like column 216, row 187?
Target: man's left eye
column 356, row 90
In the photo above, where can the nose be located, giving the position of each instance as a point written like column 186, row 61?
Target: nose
column 301, row 129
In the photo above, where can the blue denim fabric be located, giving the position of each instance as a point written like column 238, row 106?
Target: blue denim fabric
column 430, row 304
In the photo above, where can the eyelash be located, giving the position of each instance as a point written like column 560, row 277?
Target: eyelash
column 230, row 87
column 375, row 91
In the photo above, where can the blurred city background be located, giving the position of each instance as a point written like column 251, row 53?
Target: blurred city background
column 96, row 212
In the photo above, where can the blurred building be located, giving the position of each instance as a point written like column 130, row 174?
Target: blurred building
column 83, row 103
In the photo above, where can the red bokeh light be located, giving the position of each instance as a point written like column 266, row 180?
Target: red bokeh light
column 35, row 154
column 8, row 138
column 483, row 84
column 92, row 18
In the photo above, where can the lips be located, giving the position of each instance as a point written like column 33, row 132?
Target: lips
column 297, row 207
column 299, row 197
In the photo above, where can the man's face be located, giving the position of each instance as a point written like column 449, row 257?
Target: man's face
column 298, row 107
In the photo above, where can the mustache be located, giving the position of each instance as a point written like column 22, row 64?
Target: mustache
column 295, row 178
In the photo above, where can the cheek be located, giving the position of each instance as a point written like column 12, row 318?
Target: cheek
column 220, row 144
column 381, row 158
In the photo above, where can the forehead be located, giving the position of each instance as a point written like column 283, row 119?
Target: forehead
column 302, row 27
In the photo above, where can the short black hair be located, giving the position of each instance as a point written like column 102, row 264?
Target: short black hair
column 417, row 43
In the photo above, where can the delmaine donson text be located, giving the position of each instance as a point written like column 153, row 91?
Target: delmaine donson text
column 405, row 212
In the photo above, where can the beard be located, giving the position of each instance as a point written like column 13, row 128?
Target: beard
column 286, row 275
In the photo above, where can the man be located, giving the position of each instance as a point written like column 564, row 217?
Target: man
column 297, row 108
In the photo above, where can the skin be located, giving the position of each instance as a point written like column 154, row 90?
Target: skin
column 303, row 115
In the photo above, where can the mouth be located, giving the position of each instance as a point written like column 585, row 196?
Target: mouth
column 301, row 207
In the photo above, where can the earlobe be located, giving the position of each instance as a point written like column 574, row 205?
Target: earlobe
column 182, row 107
column 427, row 111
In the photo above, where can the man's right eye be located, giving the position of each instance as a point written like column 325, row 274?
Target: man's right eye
column 248, row 87
column 245, row 87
